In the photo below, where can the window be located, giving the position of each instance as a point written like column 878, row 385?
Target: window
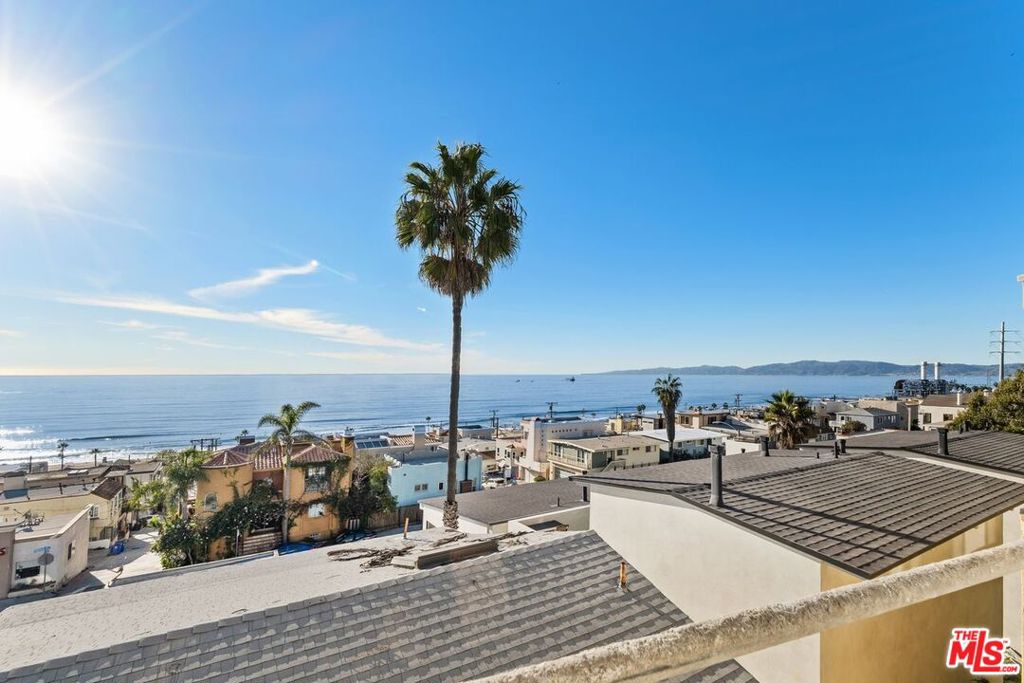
column 420, row 487
column 316, row 478
column 440, row 486
column 94, row 511
column 210, row 502
column 315, row 510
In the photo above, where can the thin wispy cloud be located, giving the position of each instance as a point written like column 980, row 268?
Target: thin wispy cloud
column 263, row 278
column 421, row 309
column 297, row 320
column 133, row 325
column 11, row 333
column 182, row 337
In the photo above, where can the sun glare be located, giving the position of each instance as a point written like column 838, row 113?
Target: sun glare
column 31, row 142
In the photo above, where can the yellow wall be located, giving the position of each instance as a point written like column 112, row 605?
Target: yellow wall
column 863, row 651
column 305, row 526
column 222, row 481
column 109, row 510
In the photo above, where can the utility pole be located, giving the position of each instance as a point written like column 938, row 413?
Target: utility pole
column 738, row 397
column 551, row 409
column 494, row 423
column 1000, row 349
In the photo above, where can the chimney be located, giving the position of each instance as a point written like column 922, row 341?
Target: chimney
column 842, row 445
column 943, row 440
column 419, row 437
column 924, row 369
column 622, row 575
column 764, row 446
column 938, row 370
column 716, row 476
column 959, row 398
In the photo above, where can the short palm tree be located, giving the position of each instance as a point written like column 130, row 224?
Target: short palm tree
column 181, row 471
column 61, row 446
column 640, row 409
column 465, row 220
column 790, row 418
column 669, row 391
column 286, row 432
column 95, row 456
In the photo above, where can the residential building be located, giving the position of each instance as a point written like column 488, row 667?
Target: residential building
column 799, row 522
column 538, row 431
column 938, row 410
column 413, row 477
column 43, row 551
column 699, row 418
column 905, row 409
column 648, row 422
column 687, row 443
column 232, row 472
column 523, row 507
column 599, row 453
column 873, row 419
column 312, row 618
column 104, row 499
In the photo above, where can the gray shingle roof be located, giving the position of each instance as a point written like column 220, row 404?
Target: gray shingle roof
column 492, row 506
column 677, row 475
column 863, row 513
column 452, row 623
column 1000, row 451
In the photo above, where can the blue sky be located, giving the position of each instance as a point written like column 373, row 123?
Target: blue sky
column 717, row 182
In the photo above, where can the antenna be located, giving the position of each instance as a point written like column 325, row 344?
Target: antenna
column 1000, row 344
column 738, row 397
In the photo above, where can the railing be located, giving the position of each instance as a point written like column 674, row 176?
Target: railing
column 690, row 648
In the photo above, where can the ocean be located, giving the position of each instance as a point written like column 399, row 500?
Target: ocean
column 138, row 415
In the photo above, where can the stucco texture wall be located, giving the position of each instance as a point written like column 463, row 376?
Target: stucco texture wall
column 910, row 644
column 709, row 568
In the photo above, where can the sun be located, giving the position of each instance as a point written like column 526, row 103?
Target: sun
column 31, row 140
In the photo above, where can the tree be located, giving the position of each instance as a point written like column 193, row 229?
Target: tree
column 61, row 446
column 286, row 432
column 258, row 508
column 669, row 391
column 1002, row 411
column 368, row 494
column 640, row 409
column 852, row 427
column 181, row 471
column 790, row 418
column 465, row 220
column 95, row 452
column 181, row 542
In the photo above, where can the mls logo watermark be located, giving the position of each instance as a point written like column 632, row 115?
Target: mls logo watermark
column 973, row 649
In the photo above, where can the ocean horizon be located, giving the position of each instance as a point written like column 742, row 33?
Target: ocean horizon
column 141, row 414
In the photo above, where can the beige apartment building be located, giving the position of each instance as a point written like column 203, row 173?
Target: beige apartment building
column 569, row 457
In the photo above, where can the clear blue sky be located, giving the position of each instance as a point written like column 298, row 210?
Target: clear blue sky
column 715, row 182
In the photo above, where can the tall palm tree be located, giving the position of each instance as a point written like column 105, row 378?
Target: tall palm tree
column 61, row 445
column 790, row 418
column 286, row 432
column 95, row 456
column 669, row 391
column 464, row 219
column 181, row 471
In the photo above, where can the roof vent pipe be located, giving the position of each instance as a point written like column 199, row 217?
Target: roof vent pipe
column 764, row 446
column 716, row 476
column 835, row 448
column 943, row 440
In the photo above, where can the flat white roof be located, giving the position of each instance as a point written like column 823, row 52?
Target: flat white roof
column 681, row 434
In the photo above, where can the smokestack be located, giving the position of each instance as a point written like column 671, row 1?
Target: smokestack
column 842, row 446
column 716, row 476
column 938, row 370
column 764, row 446
column 943, row 440
column 924, row 369
column 959, row 398
column 419, row 437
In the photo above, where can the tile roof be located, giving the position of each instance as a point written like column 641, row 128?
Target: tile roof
column 270, row 458
column 493, row 506
column 863, row 513
column 435, row 625
column 108, row 488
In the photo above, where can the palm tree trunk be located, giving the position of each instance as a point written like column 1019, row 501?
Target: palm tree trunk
column 285, row 480
column 670, row 430
column 451, row 508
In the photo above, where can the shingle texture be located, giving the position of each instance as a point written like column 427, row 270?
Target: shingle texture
column 677, row 475
column 448, row 624
column 1000, row 451
column 492, row 506
column 863, row 513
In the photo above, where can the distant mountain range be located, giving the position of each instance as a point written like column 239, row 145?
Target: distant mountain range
column 818, row 367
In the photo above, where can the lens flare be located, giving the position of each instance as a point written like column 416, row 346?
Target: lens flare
column 31, row 141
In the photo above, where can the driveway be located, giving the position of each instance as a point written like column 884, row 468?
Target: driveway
column 103, row 568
